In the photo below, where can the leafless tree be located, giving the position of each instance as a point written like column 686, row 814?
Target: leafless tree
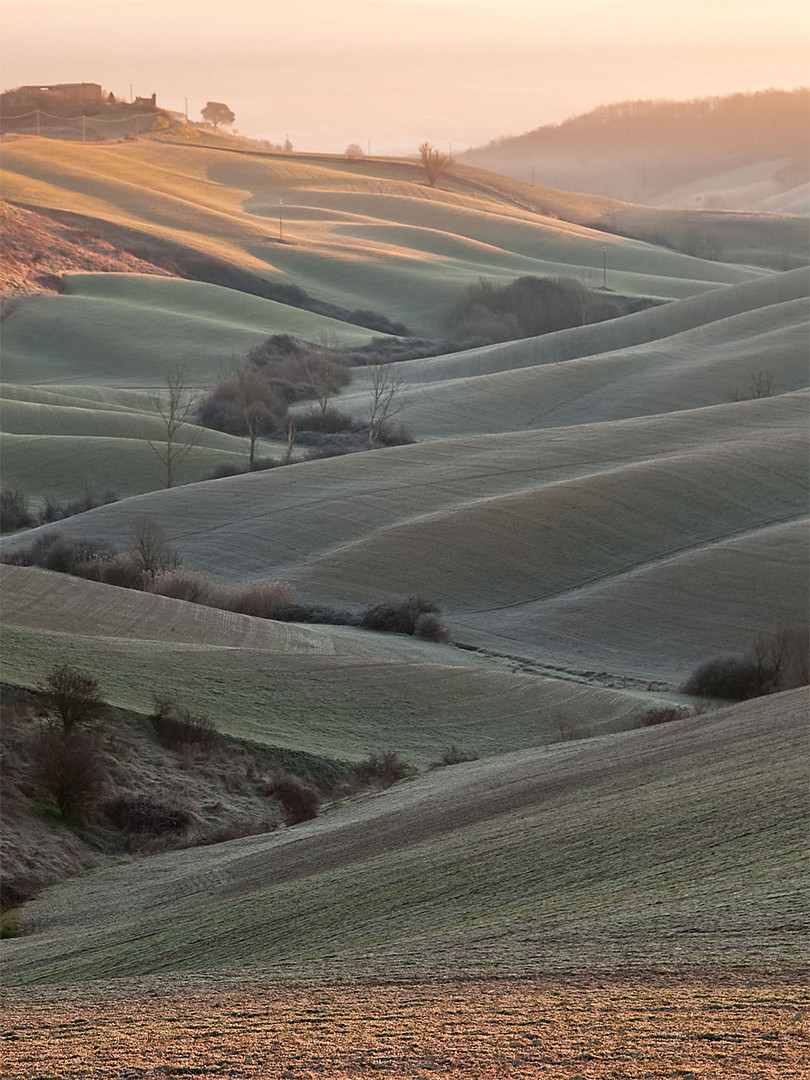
column 253, row 399
column 291, row 433
column 151, row 552
column 385, row 400
column 175, row 406
column 436, row 164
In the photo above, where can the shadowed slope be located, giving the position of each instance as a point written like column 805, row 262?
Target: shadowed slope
column 677, row 846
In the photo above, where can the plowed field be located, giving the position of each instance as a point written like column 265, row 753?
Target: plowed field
column 504, row 1030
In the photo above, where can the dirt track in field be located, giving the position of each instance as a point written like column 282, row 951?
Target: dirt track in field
column 572, row 1028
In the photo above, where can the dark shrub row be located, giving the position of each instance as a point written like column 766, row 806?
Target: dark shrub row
column 15, row 512
column 270, row 599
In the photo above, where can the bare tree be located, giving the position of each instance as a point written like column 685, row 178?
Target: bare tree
column 255, row 400
column 385, row 402
column 436, row 164
column 292, row 431
column 151, row 552
column 175, row 407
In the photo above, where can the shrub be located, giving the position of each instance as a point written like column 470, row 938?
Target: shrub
column 69, row 767
column 383, row 770
column 262, row 599
column 176, row 727
column 299, row 800
column 772, row 663
column 73, row 696
column 62, row 554
column 141, row 815
column 56, row 511
column 397, row 616
column 453, row 756
column 329, row 421
column 14, row 512
column 527, row 307
column 181, row 584
column 428, row 625
column 734, row 676
column 663, row 714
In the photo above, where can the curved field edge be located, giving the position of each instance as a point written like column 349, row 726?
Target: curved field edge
column 680, row 846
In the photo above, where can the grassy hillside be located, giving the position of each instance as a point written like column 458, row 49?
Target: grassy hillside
column 353, row 232
column 328, row 690
column 671, row 847
column 701, row 351
column 494, row 528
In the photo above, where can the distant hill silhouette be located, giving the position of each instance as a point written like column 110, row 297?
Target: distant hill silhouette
column 641, row 150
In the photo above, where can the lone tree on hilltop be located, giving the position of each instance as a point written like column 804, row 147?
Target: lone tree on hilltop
column 216, row 113
column 436, row 164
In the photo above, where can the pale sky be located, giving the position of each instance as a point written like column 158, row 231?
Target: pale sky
column 397, row 72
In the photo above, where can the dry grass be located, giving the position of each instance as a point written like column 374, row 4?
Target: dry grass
column 585, row 1026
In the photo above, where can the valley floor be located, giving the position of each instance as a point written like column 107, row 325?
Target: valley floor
column 579, row 1026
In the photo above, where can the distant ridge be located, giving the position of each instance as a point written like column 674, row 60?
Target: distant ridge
column 641, row 150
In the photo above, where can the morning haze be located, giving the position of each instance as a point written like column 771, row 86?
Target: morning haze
column 397, row 72
column 405, row 554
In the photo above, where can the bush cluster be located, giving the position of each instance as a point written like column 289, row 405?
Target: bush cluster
column 269, row 599
column 68, row 765
column 299, row 799
column 15, row 512
column 383, row 769
column 139, row 815
column 772, row 663
column 527, row 307
column 176, row 727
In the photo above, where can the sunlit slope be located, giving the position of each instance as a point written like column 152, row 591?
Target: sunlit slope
column 495, row 522
column 700, row 351
column 368, row 234
column 332, row 691
column 680, row 846
column 129, row 329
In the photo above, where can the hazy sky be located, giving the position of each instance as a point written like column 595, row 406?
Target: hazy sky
column 396, row 72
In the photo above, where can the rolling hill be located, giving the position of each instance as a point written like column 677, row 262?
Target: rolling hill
column 678, row 847
column 594, row 510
